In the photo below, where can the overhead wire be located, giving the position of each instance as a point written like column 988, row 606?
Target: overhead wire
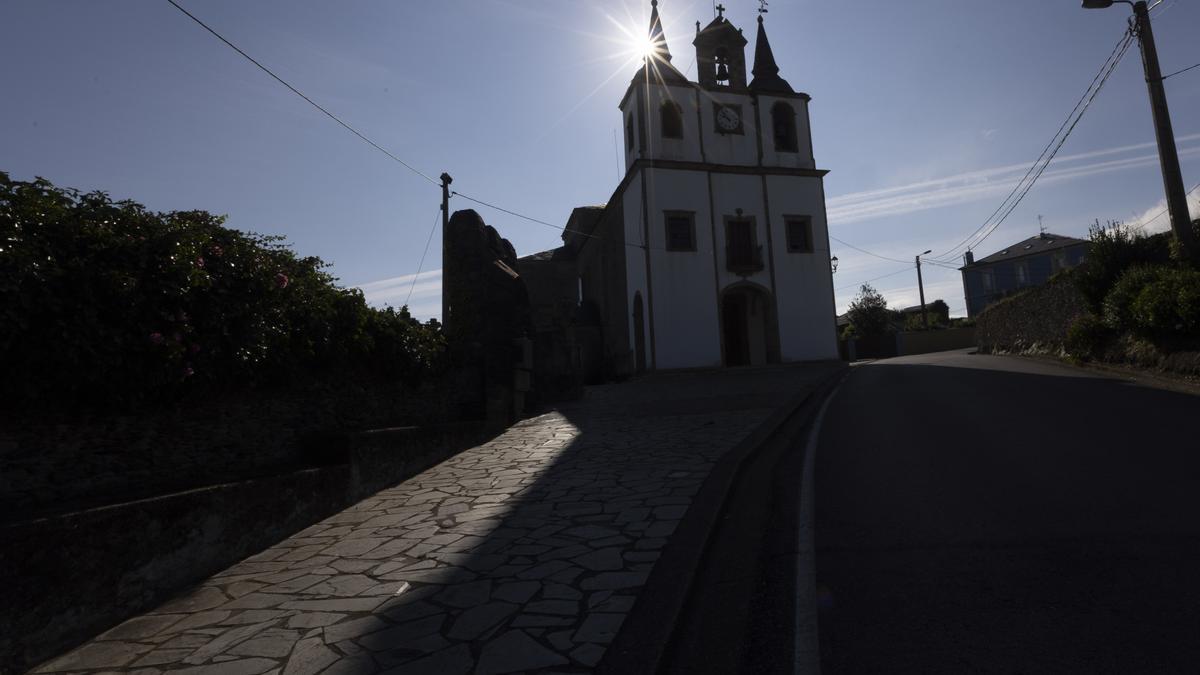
column 1178, row 72
column 302, row 95
column 420, row 265
column 1084, row 100
column 863, row 283
column 863, row 250
column 1063, row 140
column 1141, row 225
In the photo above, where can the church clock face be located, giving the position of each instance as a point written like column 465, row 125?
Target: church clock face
column 729, row 119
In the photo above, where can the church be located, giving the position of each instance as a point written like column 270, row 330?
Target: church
column 713, row 249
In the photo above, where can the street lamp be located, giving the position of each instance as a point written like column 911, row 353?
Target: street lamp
column 921, row 288
column 834, row 262
column 1168, row 155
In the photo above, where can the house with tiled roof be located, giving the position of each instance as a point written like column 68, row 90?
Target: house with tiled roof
column 1028, row 263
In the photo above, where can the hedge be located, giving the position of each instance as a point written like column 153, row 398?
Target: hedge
column 110, row 305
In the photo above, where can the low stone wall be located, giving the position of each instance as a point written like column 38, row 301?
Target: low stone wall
column 67, row 578
column 1033, row 321
column 52, row 466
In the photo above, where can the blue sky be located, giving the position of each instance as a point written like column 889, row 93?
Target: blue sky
column 925, row 112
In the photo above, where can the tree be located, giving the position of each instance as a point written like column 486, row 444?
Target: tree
column 868, row 313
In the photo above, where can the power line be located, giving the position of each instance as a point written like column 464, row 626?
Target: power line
column 861, row 283
column 1181, row 71
column 1040, row 171
column 1109, row 63
column 863, row 250
column 1143, row 223
column 557, row 227
column 301, row 94
column 437, row 217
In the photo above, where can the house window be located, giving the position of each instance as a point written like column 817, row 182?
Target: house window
column 1058, row 261
column 681, row 230
column 1022, row 273
column 799, row 234
column 672, row 120
column 989, row 281
column 783, row 121
column 629, row 132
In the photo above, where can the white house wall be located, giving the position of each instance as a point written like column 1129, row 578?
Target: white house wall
column 686, row 323
column 635, row 263
column 803, row 281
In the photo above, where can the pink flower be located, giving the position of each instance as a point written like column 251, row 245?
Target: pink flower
column 188, row 372
column 281, row 280
column 156, row 338
column 215, row 251
column 200, row 262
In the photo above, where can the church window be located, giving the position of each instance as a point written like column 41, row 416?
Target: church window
column 742, row 254
column 799, row 234
column 629, row 132
column 783, row 121
column 681, row 230
column 672, row 120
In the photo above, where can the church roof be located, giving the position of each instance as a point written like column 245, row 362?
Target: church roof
column 717, row 30
column 766, row 71
column 659, row 59
column 657, row 38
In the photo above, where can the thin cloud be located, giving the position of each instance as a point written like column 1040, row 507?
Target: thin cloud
column 985, row 183
column 395, row 290
column 1155, row 218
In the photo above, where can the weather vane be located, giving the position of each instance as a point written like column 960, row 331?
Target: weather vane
column 762, row 6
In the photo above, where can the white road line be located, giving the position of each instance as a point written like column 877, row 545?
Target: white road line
column 807, row 649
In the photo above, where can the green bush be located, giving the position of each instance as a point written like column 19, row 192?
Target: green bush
column 1159, row 302
column 1118, row 303
column 107, row 304
column 1113, row 250
column 1086, row 337
column 1169, row 305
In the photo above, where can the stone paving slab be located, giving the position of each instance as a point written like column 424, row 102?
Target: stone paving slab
column 522, row 554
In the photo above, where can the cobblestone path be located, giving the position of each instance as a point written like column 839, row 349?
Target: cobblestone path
column 522, row 554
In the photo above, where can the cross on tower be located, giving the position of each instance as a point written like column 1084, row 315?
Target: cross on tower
column 762, row 8
column 720, row 11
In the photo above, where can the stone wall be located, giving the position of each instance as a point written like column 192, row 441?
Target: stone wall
column 1033, row 321
column 52, row 466
column 488, row 324
column 71, row 576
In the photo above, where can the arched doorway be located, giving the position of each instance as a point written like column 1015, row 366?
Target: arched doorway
column 749, row 327
column 639, row 333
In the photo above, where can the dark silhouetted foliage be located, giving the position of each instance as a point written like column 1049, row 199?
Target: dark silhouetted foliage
column 1086, row 337
column 869, row 315
column 107, row 304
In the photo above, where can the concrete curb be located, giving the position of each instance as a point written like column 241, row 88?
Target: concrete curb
column 650, row 630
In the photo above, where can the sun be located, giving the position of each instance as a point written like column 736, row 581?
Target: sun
column 645, row 47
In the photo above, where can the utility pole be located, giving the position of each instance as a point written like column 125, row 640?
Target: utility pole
column 921, row 289
column 1168, row 156
column 446, row 181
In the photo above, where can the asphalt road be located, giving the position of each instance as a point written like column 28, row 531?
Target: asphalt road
column 1002, row 515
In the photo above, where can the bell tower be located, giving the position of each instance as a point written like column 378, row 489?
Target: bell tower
column 720, row 54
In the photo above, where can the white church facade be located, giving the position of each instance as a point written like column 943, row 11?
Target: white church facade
column 714, row 249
